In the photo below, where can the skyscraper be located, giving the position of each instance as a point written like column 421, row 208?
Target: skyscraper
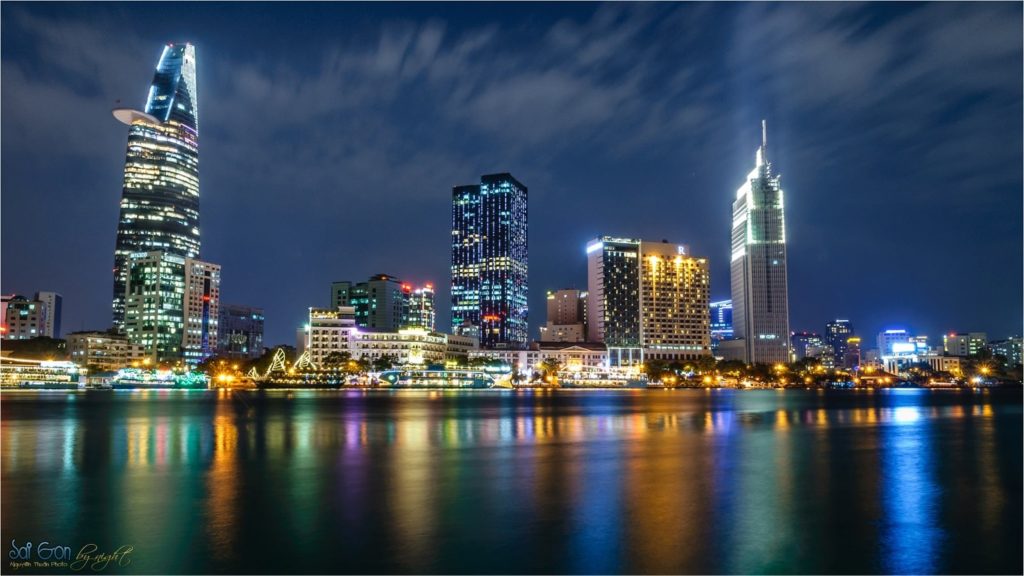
column 837, row 333
column 490, row 260
column 160, row 198
column 759, row 292
column 419, row 307
column 613, row 289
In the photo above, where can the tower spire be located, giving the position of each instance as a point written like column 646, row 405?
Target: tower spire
column 764, row 141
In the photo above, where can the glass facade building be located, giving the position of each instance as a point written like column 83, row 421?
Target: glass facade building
column 490, row 261
column 240, row 331
column 419, row 307
column 160, row 198
column 837, row 333
column 760, row 297
column 613, row 290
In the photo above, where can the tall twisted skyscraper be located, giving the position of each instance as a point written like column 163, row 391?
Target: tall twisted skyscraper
column 160, row 198
column 759, row 293
column 489, row 261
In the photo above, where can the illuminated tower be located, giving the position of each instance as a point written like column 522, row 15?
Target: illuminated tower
column 160, row 198
column 489, row 261
column 759, row 292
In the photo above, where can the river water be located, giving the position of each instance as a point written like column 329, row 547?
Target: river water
column 634, row 481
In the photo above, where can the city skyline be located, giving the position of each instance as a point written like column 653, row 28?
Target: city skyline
column 852, row 234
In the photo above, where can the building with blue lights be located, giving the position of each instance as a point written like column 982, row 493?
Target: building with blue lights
column 160, row 198
column 490, row 261
column 721, row 322
column 758, row 267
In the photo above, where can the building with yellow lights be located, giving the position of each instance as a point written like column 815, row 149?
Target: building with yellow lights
column 648, row 300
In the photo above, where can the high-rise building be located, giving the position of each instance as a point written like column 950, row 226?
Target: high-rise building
column 721, row 322
column 202, row 315
column 613, row 292
column 171, row 306
column 675, row 293
column 160, row 198
column 647, row 300
column 490, row 261
column 837, row 333
column 964, row 343
column 240, row 331
column 53, row 303
column 759, row 288
column 379, row 303
column 419, row 307
column 851, row 353
column 154, row 304
column 567, row 316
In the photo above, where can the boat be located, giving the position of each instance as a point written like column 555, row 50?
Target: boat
column 443, row 378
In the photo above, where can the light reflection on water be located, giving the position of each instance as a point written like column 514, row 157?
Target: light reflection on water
column 575, row 482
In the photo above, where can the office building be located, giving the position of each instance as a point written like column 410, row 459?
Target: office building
column 490, row 261
column 240, row 331
column 851, row 353
column 758, row 267
column 53, row 304
column 154, row 304
column 887, row 340
column 613, row 292
column 418, row 307
column 964, row 343
column 104, row 351
column 202, row 314
column 808, row 345
column 1010, row 349
column 837, row 333
column 171, row 306
column 160, row 199
column 567, row 316
column 647, row 300
column 379, row 303
column 721, row 322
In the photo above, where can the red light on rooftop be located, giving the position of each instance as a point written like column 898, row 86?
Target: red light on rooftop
column 206, row 298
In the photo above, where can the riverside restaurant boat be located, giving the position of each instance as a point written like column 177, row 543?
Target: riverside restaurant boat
column 144, row 379
column 602, row 377
column 444, row 378
column 26, row 374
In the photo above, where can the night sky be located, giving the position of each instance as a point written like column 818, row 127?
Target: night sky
column 331, row 135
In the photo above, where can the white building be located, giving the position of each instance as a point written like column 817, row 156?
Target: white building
column 336, row 331
column 527, row 362
column 760, row 300
column 964, row 344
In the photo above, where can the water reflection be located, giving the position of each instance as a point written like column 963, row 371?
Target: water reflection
column 575, row 482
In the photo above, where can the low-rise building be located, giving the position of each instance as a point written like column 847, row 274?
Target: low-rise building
column 565, row 353
column 104, row 351
column 336, row 331
column 1009, row 348
column 964, row 344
